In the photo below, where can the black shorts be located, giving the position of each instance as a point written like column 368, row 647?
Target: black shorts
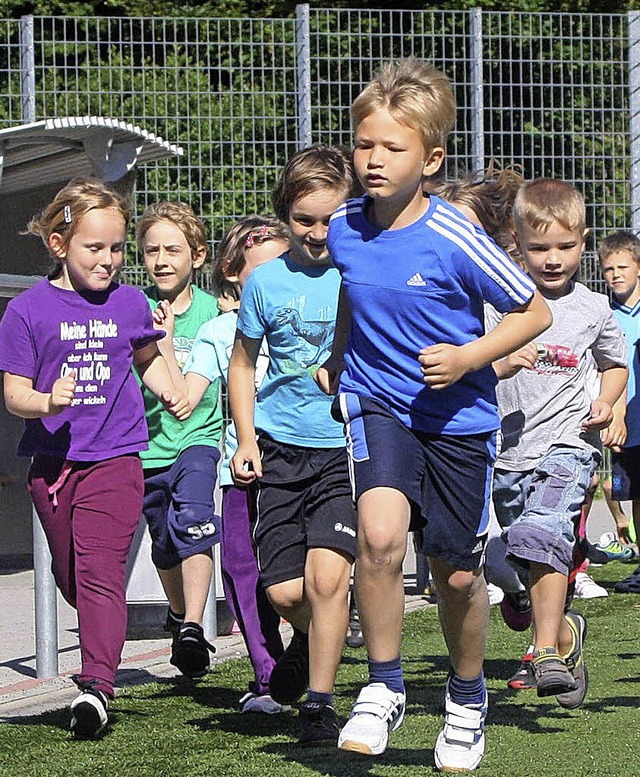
column 625, row 474
column 304, row 501
column 446, row 478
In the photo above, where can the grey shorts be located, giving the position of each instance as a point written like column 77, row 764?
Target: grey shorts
column 540, row 508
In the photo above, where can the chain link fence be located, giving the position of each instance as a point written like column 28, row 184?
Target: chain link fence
column 551, row 94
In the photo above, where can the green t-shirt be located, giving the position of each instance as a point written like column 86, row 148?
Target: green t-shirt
column 168, row 437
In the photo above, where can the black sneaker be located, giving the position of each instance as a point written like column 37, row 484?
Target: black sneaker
column 89, row 714
column 575, row 663
column 551, row 673
column 318, row 724
column 354, row 638
column 523, row 678
column 190, row 651
column 290, row 676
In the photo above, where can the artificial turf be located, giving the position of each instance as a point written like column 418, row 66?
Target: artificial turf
column 182, row 728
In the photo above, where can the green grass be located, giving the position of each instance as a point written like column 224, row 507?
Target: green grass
column 177, row 728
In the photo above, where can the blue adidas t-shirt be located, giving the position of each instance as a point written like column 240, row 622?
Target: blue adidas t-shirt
column 629, row 320
column 414, row 287
column 294, row 308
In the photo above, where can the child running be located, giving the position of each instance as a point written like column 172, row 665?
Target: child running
column 180, row 465
column 551, row 423
column 305, row 529
column 67, row 347
column 248, row 244
column 417, row 396
column 619, row 255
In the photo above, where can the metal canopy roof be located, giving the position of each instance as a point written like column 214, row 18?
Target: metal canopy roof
column 56, row 150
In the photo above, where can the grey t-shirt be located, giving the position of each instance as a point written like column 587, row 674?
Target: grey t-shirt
column 547, row 405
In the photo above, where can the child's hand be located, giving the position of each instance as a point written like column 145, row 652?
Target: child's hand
column 246, row 465
column 615, row 435
column 328, row 375
column 601, row 416
column 164, row 318
column 442, row 365
column 62, row 393
column 525, row 359
column 177, row 404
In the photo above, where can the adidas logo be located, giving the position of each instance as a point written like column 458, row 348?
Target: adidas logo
column 416, row 280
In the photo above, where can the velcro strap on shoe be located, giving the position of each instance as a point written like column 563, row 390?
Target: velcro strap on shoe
column 463, row 717
column 370, row 702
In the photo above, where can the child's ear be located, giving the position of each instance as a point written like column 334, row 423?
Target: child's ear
column 57, row 245
column 199, row 255
column 433, row 162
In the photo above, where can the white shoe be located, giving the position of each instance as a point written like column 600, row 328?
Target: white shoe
column 376, row 713
column 587, row 588
column 496, row 594
column 89, row 714
column 460, row 744
column 252, row 702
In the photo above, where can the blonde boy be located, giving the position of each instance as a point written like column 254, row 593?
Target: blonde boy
column 417, row 396
column 619, row 255
column 551, row 427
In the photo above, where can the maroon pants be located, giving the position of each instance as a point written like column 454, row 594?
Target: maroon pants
column 89, row 532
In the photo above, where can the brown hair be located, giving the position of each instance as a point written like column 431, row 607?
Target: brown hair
column 68, row 208
column 229, row 257
column 416, row 94
column 179, row 213
column 620, row 241
column 310, row 170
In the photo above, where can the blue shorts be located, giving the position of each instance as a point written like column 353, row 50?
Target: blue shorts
column 178, row 506
column 625, row 474
column 540, row 508
column 446, row 478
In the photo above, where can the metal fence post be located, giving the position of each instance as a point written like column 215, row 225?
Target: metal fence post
column 477, row 93
column 303, row 75
column 44, row 587
column 634, row 117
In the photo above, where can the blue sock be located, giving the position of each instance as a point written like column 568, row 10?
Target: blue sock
column 322, row 698
column 387, row 672
column 467, row 691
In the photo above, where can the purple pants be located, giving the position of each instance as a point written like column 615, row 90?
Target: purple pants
column 89, row 532
column 258, row 621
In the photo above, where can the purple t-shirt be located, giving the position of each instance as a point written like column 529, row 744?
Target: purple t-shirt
column 46, row 332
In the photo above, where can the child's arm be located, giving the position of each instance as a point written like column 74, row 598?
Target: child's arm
column 246, row 463
column 164, row 319
column 612, row 385
column 615, row 435
column 444, row 364
column 154, row 373
column 328, row 374
column 24, row 401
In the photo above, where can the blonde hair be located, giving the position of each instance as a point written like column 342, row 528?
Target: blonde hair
column 490, row 196
column 64, row 214
column 543, row 201
column 310, row 170
column 620, row 241
column 178, row 213
column 230, row 254
column 416, row 94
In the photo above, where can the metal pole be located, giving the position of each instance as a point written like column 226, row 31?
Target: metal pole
column 634, row 116
column 28, row 69
column 210, row 616
column 46, row 609
column 477, row 93
column 303, row 75
column 45, row 603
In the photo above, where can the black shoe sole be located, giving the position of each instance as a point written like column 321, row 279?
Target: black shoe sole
column 87, row 725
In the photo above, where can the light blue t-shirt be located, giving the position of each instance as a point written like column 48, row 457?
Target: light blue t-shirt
column 414, row 287
column 209, row 357
column 629, row 320
column 294, row 308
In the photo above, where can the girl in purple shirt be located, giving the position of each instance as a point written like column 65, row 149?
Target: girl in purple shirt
column 66, row 348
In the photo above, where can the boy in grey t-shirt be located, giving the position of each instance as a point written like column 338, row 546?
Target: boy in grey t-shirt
column 551, row 426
